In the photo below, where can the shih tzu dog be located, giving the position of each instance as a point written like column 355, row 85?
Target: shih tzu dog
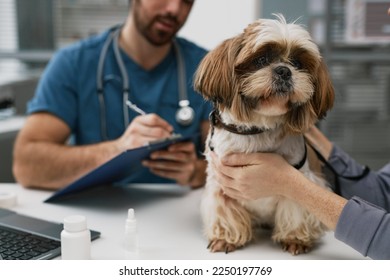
column 268, row 85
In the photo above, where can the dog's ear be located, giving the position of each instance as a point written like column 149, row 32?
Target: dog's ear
column 300, row 118
column 215, row 76
column 305, row 115
column 323, row 97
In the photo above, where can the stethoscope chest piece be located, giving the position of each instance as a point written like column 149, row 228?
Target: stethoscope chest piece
column 185, row 114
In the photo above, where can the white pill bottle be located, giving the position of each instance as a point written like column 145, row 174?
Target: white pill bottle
column 75, row 239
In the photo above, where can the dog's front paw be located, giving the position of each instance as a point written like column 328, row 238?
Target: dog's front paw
column 219, row 245
column 295, row 248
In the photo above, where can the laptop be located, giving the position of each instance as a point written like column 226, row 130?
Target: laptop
column 26, row 238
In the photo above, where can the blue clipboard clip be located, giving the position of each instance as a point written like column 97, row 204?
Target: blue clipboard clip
column 174, row 137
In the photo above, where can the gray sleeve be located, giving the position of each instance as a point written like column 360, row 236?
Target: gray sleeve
column 374, row 187
column 366, row 228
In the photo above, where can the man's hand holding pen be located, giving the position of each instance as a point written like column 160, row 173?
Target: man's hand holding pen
column 144, row 129
column 178, row 162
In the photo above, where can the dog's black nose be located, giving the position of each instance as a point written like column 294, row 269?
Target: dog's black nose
column 283, row 72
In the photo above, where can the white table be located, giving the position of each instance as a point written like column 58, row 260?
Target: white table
column 169, row 224
column 12, row 124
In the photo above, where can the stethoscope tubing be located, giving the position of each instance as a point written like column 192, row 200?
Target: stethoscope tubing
column 184, row 104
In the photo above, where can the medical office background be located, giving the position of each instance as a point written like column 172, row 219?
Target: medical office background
column 353, row 35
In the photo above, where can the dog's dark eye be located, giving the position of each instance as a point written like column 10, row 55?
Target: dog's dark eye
column 261, row 61
column 296, row 64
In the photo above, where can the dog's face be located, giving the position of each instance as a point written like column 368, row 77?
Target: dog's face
column 272, row 71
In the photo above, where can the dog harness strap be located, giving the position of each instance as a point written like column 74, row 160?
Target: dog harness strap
column 303, row 160
column 215, row 120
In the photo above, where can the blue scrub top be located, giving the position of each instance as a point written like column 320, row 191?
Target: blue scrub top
column 68, row 90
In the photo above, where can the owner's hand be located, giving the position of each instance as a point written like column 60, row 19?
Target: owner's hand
column 253, row 176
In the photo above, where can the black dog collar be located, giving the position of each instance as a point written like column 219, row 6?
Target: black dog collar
column 215, row 120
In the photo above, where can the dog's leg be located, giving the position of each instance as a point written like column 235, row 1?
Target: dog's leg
column 295, row 228
column 227, row 224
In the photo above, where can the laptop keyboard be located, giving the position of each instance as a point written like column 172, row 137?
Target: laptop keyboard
column 18, row 245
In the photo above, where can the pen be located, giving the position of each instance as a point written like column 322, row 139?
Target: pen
column 134, row 107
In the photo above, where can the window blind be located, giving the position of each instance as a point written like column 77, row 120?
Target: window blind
column 8, row 26
column 360, row 119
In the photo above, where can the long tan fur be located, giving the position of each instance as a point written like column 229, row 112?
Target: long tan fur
column 270, row 76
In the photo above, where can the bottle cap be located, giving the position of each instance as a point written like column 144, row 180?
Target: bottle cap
column 7, row 199
column 131, row 222
column 75, row 223
column 130, row 214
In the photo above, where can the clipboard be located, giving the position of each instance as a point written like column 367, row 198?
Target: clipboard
column 118, row 168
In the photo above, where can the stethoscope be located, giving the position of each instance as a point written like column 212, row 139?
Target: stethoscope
column 337, row 176
column 184, row 114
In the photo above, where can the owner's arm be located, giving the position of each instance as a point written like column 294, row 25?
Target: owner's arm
column 374, row 187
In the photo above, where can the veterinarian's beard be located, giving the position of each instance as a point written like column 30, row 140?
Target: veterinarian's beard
column 152, row 34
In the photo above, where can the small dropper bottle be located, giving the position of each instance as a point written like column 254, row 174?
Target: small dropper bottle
column 131, row 239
